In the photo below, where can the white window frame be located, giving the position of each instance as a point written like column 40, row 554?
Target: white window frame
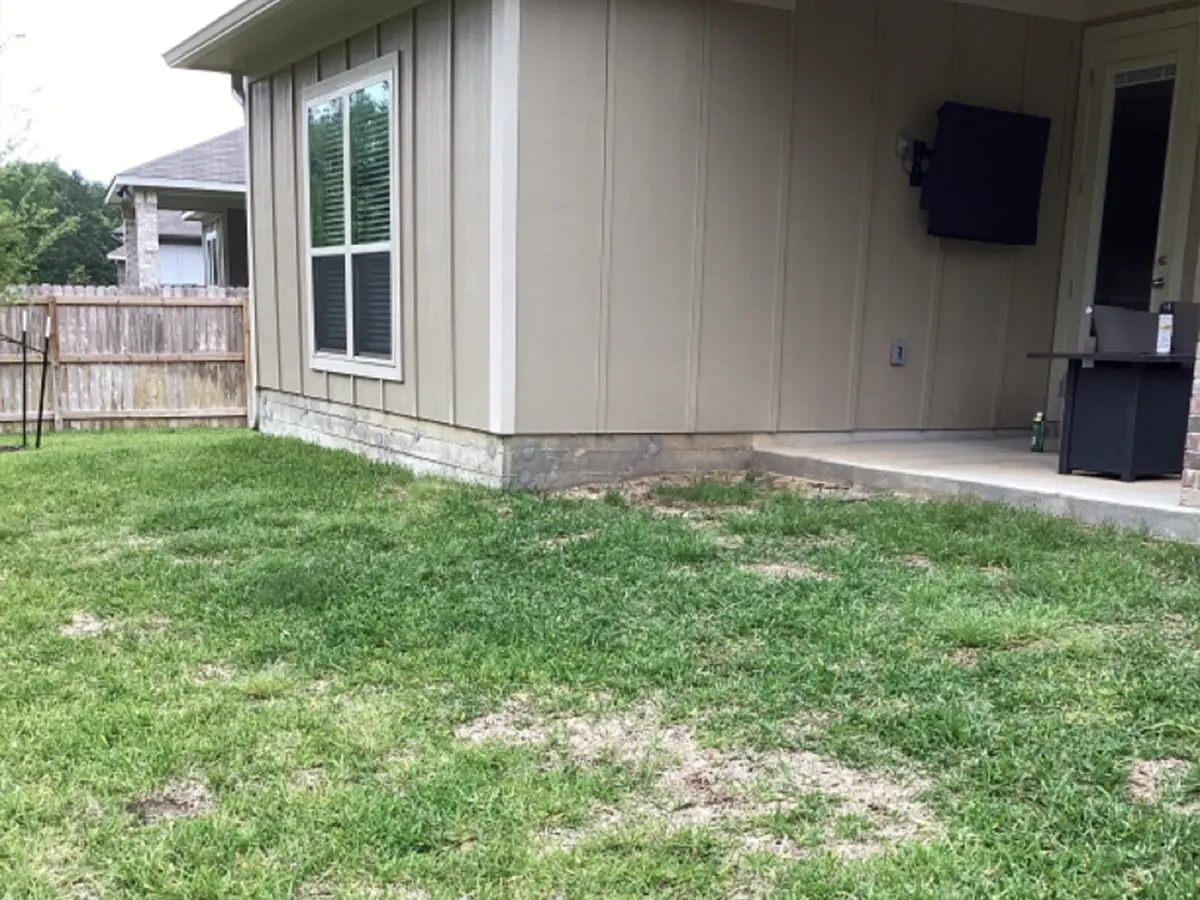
column 342, row 87
column 215, row 274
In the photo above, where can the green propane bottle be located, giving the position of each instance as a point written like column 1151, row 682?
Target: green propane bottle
column 1038, row 444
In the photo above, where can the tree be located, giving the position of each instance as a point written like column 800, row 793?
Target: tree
column 55, row 226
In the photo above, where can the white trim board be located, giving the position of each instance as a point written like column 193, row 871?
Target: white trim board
column 503, row 170
column 252, row 293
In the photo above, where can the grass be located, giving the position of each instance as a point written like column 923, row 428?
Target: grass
column 302, row 632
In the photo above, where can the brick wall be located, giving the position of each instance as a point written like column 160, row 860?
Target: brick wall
column 129, row 273
column 1191, row 464
column 146, row 266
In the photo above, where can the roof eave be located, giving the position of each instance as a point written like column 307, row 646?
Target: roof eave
column 195, row 52
column 261, row 36
column 171, row 184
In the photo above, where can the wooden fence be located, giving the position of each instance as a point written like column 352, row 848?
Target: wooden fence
column 121, row 359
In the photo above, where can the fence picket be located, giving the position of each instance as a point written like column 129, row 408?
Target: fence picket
column 120, row 360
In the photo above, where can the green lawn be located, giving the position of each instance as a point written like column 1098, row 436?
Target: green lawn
column 290, row 673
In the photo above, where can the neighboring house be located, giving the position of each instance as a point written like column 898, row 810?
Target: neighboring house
column 181, row 251
column 539, row 241
column 185, row 217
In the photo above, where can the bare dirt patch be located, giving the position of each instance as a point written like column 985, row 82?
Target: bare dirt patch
column 143, row 542
column 645, row 491
column 330, row 890
column 86, row 625
column 808, row 724
column 565, row 541
column 201, row 560
column 1177, row 629
column 837, row 540
column 1085, row 636
column 153, row 624
column 179, row 799
column 964, row 657
column 210, row 672
column 916, row 561
column 792, row 571
column 514, row 724
column 1151, row 779
column 307, row 780
column 698, row 787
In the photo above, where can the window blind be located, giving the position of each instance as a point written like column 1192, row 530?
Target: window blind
column 371, row 164
column 326, row 174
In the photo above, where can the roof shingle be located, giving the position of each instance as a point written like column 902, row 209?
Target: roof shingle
column 219, row 160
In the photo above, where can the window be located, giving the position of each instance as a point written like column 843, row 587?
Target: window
column 350, row 141
column 214, row 256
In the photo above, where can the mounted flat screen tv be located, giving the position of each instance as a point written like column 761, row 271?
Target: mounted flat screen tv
column 985, row 178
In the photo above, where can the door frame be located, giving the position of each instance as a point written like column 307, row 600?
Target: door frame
column 1085, row 207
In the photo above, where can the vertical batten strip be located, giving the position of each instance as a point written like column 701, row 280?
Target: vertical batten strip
column 929, row 373
column 1015, row 260
column 698, row 237
column 604, row 313
column 866, row 206
column 783, row 232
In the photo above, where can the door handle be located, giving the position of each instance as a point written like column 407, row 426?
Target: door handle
column 1159, row 283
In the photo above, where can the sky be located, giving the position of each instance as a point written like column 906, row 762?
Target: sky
column 78, row 77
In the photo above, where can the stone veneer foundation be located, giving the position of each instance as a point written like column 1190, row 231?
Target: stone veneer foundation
column 525, row 461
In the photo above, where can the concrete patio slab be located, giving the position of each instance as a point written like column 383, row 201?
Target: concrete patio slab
column 996, row 469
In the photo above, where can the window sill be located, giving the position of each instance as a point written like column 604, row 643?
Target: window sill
column 386, row 369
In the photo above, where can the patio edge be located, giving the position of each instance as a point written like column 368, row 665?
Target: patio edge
column 1180, row 525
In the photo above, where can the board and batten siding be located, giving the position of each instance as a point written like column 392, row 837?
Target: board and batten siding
column 715, row 234
column 443, row 188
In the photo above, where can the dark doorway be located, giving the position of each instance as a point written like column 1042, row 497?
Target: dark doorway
column 1137, row 166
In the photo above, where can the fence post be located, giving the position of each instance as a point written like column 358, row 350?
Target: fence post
column 251, row 400
column 55, row 407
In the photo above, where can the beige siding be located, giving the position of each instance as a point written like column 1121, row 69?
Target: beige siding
column 652, row 212
column 1050, row 87
column 435, row 215
column 564, row 65
column 742, row 265
column 262, row 214
column 286, row 248
column 442, row 186
column 715, row 233
column 836, row 60
column 471, row 240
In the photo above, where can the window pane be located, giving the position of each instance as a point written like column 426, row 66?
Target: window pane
column 326, row 174
column 373, row 305
column 329, row 302
column 371, row 163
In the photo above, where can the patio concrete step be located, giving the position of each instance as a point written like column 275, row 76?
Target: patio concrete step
column 1001, row 471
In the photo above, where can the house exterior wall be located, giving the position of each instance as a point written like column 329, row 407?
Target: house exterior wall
column 442, row 174
column 715, row 235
